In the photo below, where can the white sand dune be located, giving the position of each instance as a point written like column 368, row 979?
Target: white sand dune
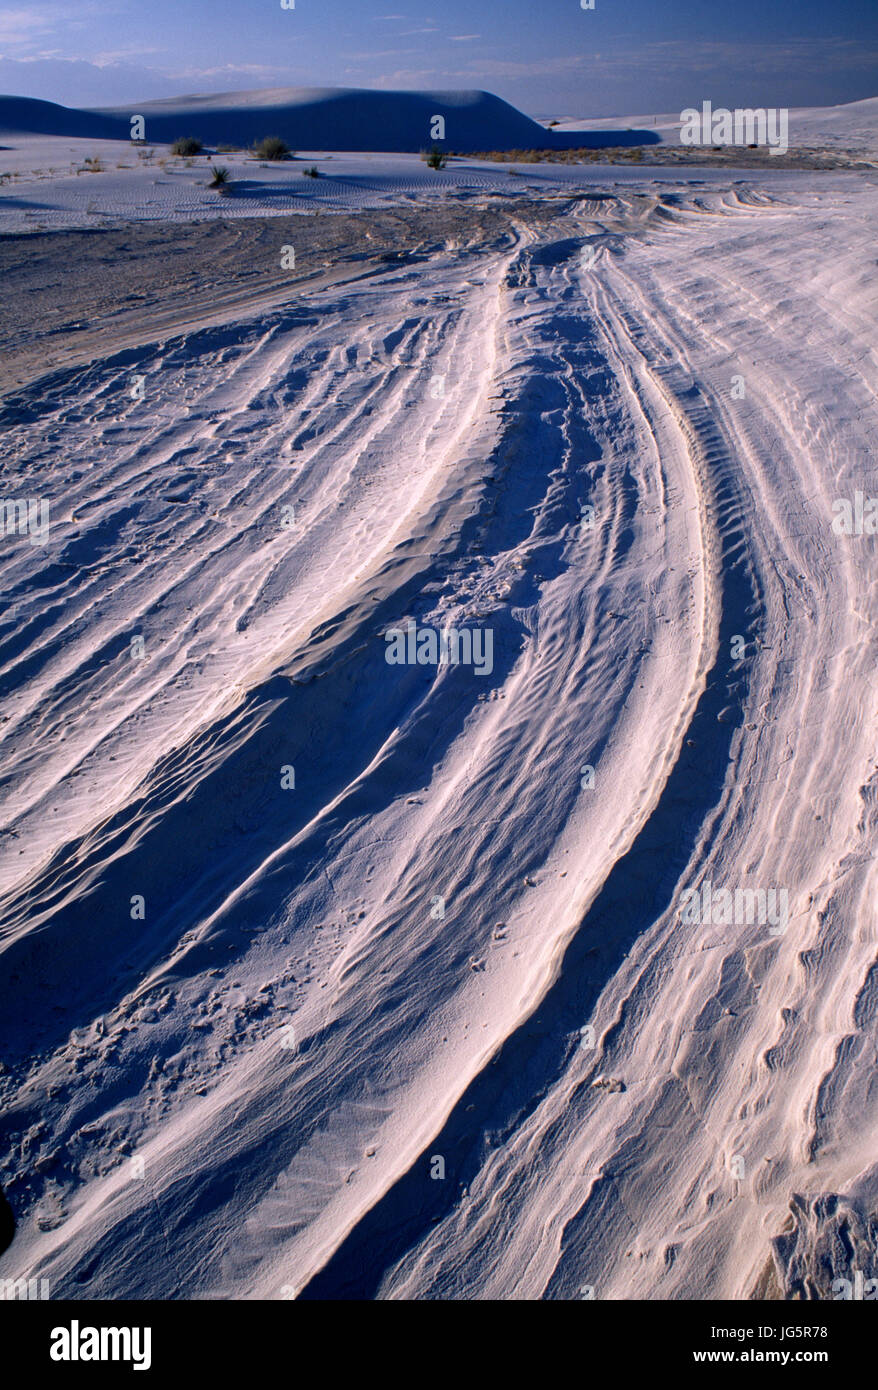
column 324, row 118
column 342, row 1054
column 851, row 126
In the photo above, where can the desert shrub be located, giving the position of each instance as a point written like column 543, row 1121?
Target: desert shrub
column 435, row 158
column 92, row 165
column 186, row 145
column 272, row 147
column 312, row 173
column 574, row 156
column 220, row 177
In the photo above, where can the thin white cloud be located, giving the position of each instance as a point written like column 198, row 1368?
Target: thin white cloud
column 414, row 79
column 120, row 55
column 799, row 55
column 22, row 29
column 229, row 70
column 643, row 63
column 22, row 26
column 370, row 54
column 541, row 67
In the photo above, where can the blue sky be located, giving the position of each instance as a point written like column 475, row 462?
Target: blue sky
column 546, row 56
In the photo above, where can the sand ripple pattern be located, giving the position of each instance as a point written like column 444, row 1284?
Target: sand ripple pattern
column 297, row 1075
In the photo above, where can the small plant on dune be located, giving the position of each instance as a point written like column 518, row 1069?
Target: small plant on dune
column 220, row 178
column 187, row 145
column 92, row 165
column 148, row 155
column 273, row 147
column 312, row 173
column 435, row 158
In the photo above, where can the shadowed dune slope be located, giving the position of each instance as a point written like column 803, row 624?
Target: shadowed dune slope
column 314, row 118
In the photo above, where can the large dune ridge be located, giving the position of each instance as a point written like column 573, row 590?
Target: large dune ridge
column 324, row 118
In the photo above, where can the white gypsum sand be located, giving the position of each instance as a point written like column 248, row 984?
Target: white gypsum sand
column 243, row 1089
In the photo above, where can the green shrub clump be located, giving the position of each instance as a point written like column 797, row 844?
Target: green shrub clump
column 186, row 145
column 273, row 147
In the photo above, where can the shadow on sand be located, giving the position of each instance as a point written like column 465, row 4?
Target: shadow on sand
column 7, row 1223
column 602, row 139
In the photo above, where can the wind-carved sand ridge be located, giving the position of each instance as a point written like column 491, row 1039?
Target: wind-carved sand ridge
column 278, row 1168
